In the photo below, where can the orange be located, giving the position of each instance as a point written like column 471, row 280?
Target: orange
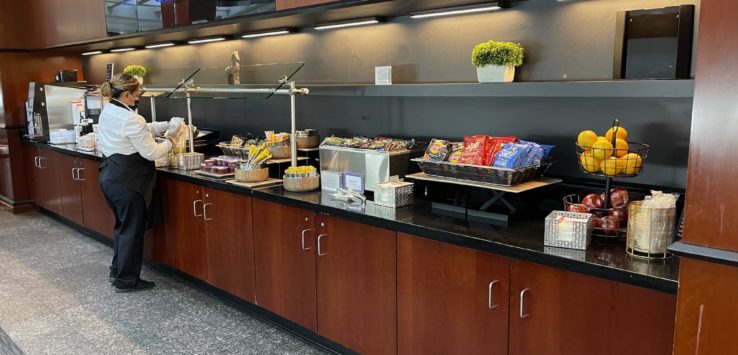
column 621, row 147
column 609, row 166
column 601, row 149
column 621, row 133
column 589, row 163
column 586, row 138
column 631, row 163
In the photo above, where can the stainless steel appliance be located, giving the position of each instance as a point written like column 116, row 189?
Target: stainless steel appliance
column 52, row 107
column 376, row 166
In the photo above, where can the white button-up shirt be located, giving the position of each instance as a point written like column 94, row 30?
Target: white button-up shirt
column 123, row 131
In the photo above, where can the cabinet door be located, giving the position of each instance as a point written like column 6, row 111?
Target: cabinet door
column 230, row 241
column 185, row 230
column 69, row 191
column 357, row 285
column 450, row 300
column 284, row 254
column 30, row 161
column 569, row 314
column 96, row 213
column 49, row 194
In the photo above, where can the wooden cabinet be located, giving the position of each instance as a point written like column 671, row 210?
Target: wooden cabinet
column 32, row 173
column 209, row 236
column 70, row 193
column 41, row 168
column 357, row 285
column 450, row 300
column 96, row 213
column 185, row 231
column 335, row 277
column 284, row 244
column 707, row 311
column 230, row 243
column 559, row 312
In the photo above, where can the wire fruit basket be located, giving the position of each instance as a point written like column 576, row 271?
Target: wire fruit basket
column 617, row 162
column 606, row 222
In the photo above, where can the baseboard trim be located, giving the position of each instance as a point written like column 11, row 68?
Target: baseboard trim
column 17, row 207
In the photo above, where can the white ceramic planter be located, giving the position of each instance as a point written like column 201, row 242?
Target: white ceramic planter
column 496, row 73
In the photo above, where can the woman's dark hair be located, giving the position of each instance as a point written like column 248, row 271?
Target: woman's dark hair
column 119, row 84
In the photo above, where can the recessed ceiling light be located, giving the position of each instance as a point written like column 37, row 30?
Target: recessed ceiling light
column 350, row 23
column 92, row 53
column 275, row 32
column 160, row 45
column 458, row 10
column 206, row 40
column 123, row 49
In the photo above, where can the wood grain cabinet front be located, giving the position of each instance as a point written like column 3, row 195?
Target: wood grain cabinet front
column 450, row 300
column 184, row 228
column 96, row 213
column 48, row 193
column 560, row 312
column 69, row 188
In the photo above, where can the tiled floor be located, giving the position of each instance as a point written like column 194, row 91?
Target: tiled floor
column 55, row 299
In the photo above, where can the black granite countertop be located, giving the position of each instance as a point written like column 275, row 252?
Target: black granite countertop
column 522, row 239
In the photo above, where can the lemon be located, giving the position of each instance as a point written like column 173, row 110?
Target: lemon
column 631, row 163
column 601, row 138
column 586, row 138
column 601, row 149
column 589, row 163
column 609, row 166
column 621, row 133
column 621, row 147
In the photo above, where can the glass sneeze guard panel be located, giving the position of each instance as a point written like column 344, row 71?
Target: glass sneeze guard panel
column 256, row 81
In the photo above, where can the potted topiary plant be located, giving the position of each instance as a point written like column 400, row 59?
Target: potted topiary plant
column 496, row 61
column 139, row 72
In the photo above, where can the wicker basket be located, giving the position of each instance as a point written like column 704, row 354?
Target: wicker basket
column 487, row 174
column 252, row 175
column 301, row 184
column 280, row 151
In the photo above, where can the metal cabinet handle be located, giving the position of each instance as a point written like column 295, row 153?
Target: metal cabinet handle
column 302, row 239
column 36, row 162
column 319, row 238
column 39, row 163
column 194, row 208
column 489, row 295
column 205, row 211
column 74, row 176
column 79, row 178
column 522, row 304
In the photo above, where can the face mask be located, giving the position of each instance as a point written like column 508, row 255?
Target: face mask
column 134, row 107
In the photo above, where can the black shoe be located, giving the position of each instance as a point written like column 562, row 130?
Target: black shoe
column 139, row 286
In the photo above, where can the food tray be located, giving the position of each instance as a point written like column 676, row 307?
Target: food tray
column 487, row 174
column 254, row 185
column 215, row 175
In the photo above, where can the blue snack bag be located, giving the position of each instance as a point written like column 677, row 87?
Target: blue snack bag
column 546, row 148
column 511, row 155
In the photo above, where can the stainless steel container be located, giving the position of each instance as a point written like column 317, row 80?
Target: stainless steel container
column 376, row 166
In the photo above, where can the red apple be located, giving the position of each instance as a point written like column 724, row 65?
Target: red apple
column 597, row 222
column 621, row 214
column 610, row 225
column 578, row 207
column 618, row 197
column 592, row 201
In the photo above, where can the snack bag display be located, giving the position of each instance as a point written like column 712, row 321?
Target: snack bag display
column 546, row 148
column 457, row 148
column 511, row 155
column 473, row 150
column 493, row 145
column 438, row 150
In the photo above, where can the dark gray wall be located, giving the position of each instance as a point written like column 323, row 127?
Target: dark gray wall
column 572, row 40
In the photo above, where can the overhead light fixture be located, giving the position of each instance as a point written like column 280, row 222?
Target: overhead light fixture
column 351, row 23
column 206, row 40
column 274, row 32
column 459, row 10
column 160, row 45
column 92, row 53
column 117, row 50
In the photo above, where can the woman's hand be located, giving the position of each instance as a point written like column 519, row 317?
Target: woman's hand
column 178, row 135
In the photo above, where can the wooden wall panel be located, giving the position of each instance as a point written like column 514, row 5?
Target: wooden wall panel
column 711, row 184
column 291, row 4
column 707, row 311
column 20, row 68
column 17, row 29
column 62, row 22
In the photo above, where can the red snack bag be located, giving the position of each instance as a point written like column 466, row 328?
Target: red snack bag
column 473, row 152
column 493, row 145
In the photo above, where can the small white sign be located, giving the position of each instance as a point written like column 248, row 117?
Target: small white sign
column 354, row 182
column 330, row 180
column 383, row 75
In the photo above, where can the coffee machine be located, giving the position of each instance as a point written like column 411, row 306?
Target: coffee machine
column 53, row 108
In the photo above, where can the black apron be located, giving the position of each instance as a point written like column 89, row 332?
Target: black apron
column 136, row 173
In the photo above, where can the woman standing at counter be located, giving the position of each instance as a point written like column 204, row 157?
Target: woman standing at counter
column 128, row 175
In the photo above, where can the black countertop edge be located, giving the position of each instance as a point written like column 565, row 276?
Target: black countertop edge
column 693, row 251
column 66, row 149
column 599, row 271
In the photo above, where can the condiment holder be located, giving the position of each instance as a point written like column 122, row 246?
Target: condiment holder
column 570, row 230
column 650, row 231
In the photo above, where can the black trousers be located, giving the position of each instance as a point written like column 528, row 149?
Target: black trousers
column 129, row 208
